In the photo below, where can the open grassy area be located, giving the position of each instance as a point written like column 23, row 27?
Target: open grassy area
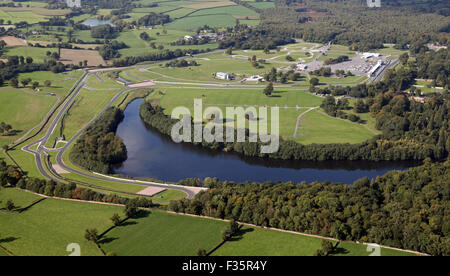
column 20, row 198
column 137, row 46
column 38, row 54
column 315, row 126
column 26, row 162
column 50, row 226
column 22, row 109
column 19, row 16
column 88, row 104
column 263, row 242
column 164, row 234
column 318, row 127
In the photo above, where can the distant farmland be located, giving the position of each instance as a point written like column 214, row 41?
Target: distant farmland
column 75, row 56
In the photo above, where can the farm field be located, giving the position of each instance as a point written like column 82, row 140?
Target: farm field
column 93, row 58
column 38, row 54
column 156, row 234
column 23, row 110
column 137, row 46
column 263, row 242
column 65, row 223
column 12, row 41
column 164, row 234
column 19, row 16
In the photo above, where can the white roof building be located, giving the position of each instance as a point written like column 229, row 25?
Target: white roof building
column 301, row 66
column 224, row 76
column 369, row 55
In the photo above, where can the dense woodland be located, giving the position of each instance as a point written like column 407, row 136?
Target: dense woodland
column 409, row 210
column 352, row 23
column 157, row 56
column 98, row 149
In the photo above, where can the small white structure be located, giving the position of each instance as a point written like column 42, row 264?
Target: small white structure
column 301, row 66
column 224, row 76
column 255, row 78
column 370, row 55
column 188, row 37
column 73, row 3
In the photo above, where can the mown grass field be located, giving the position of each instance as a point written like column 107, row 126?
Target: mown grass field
column 89, row 103
column 164, row 234
column 318, row 127
column 48, row 227
column 315, row 126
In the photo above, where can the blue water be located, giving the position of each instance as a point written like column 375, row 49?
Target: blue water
column 92, row 22
column 153, row 155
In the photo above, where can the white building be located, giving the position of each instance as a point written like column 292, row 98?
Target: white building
column 255, row 78
column 188, row 37
column 224, row 76
column 370, row 55
column 301, row 66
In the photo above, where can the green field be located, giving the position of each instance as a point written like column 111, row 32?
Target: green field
column 3, row 253
column 194, row 22
column 23, row 110
column 137, row 46
column 20, row 198
column 315, row 127
column 38, row 54
column 262, row 242
column 19, row 16
column 89, row 103
column 50, row 226
column 164, row 234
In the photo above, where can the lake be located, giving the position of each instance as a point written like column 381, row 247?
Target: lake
column 92, row 22
column 153, row 155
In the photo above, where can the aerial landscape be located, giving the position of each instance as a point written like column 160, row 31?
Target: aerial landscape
column 250, row 128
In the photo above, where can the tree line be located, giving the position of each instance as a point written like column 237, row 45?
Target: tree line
column 98, row 148
column 12, row 177
column 410, row 131
column 406, row 210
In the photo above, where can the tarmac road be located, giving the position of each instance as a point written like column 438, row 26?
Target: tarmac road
column 43, row 141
